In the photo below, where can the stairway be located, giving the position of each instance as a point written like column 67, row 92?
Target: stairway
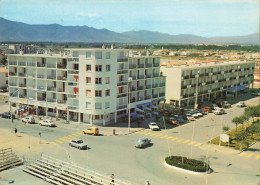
column 8, row 159
column 59, row 172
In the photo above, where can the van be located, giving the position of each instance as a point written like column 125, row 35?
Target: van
column 28, row 119
column 91, row 130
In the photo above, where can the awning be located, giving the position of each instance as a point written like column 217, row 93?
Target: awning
column 155, row 113
column 237, row 88
column 154, row 107
column 147, row 108
column 139, row 110
column 144, row 104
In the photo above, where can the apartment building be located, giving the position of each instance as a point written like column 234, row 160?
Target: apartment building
column 206, row 80
column 87, row 85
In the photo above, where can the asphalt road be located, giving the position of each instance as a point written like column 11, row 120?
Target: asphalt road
column 117, row 154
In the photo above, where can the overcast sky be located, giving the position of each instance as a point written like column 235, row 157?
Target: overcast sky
column 200, row 17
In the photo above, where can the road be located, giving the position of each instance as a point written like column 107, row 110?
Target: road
column 117, row 154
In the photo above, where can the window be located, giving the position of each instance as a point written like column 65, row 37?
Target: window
column 107, row 80
column 98, row 67
column 98, row 106
column 121, row 78
column 88, row 54
column 107, row 105
column 98, row 93
column 88, row 105
column 107, row 92
column 88, row 92
column 88, row 67
column 98, row 55
column 6, row 82
column 88, row 80
column 6, row 74
column 107, row 67
column 107, row 55
column 96, row 116
column 98, row 81
column 121, row 54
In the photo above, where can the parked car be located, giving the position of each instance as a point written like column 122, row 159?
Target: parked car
column 206, row 109
column 256, row 93
column 47, row 122
column 225, row 104
column 7, row 115
column 78, row 143
column 28, row 119
column 241, row 104
column 180, row 119
column 153, row 126
column 214, row 106
column 91, row 130
column 190, row 118
column 198, row 113
column 142, row 142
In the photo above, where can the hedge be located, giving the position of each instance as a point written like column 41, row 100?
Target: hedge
column 188, row 164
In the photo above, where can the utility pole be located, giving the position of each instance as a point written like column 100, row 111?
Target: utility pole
column 129, row 107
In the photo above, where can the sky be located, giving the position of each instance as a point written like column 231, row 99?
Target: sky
column 199, row 17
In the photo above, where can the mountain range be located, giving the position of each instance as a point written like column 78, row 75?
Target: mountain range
column 22, row 32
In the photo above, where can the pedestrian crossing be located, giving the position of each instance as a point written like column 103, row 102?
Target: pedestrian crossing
column 189, row 142
column 67, row 138
column 171, row 138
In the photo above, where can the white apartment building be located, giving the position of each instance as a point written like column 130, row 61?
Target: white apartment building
column 209, row 80
column 87, row 85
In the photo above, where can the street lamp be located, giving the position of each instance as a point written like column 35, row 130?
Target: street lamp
column 10, row 109
column 129, row 81
column 196, row 100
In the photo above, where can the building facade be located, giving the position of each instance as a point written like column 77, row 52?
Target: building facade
column 3, row 77
column 87, row 85
column 190, row 85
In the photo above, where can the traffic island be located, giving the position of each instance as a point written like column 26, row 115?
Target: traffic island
column 188, row 165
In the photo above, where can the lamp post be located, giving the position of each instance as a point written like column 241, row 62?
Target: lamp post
column 10, row 107
column 196, row 99
column 129, row 117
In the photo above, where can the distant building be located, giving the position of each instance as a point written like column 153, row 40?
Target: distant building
column 210, row 80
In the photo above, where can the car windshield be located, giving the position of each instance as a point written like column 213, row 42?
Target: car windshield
column 153, row 123
column 79, row 141
column 141, row 140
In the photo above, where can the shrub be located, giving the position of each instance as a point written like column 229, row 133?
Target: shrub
column 188, row 164
column 13, row 104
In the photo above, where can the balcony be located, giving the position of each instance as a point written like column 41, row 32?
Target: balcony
column 51, row 88
column 121, row 83
column 140, row 66
column 140, row 88
column 148, row 87
column 31, row 75
column 51, row 77
column 147, row 97
column 73, row 72
column 133, row 88
column 122, row 71
column 156, row 65
column 40, row 76
column 148, row 65
column 148, row 76
column 22, row 64
column 22, row 96
column 62, row 101
column 40, row 65
column 156, row 75
column 140, row 77
column 12, row 63
column 51, row 66
column 51, row 100
column 154, row 85
column 155, row 96
column 22, row 75
column 12, row 84
column 22, row 85
column 30, row 86
column 41, row 87
column 61, row 78
column 122, row 60
column 162, row 84
column 73, row 96
column 41, row 99
column 121, row 106
column 61, row 66
column 120, row 95
column 140, row 98
column 31, row 64
column 132, row 66
column 12, row 74
column 61, row 90
column 133, row 77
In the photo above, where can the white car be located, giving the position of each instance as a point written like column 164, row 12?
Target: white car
column 219, row 111
column 153, row 126
column 48, row 123
column 241, row 104
column 28, row 119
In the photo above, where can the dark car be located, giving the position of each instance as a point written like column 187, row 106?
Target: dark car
column 6, row 115
column 180, row 119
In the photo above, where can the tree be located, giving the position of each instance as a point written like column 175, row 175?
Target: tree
column 3, row 61
column 241, row 135
column 225, row 128
column 237, row 120
column 252, row 111
column 254, row 128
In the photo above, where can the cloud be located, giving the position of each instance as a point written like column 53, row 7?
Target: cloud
column 87, row 14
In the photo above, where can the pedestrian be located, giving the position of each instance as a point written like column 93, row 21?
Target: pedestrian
column 147, row 183
column 112, row 179
column 15, row 131
column 40, row 135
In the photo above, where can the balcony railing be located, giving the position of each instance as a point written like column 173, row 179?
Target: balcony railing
column 61, row 78
column 121, row 95
column 140, row 77
column 156, row 75
column 51, row 100
column 40, row 65
column 161, row 94
column 140, row 88
column 121, row 106
column 148, row 76
column 73, row 72
column 122, row 60
column 51, row 77
column 147, row 97
column 155, row 96
column 22, row 96
column 61, row 66
column 140, row 66
column 132, row 66
column 30, row 86
column 61, row 90
column 148, row 87
column 62, row 101
column 31, row 75
column 155, row 85
column 22, row 75
column 51, row 66
column 41, row 87
column 41, row 99
column 51, row 88
column 40, row 76
column 12, row 74
column 12, row 84
column 156, row 65
column 22, row 64
column 31, row 64
column 22, row 85
column 122, row 71
column 148, row 65
column 12, row 63
column 121, row 83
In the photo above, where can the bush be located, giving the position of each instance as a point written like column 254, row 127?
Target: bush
column 13, row 104
column 188, row 164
